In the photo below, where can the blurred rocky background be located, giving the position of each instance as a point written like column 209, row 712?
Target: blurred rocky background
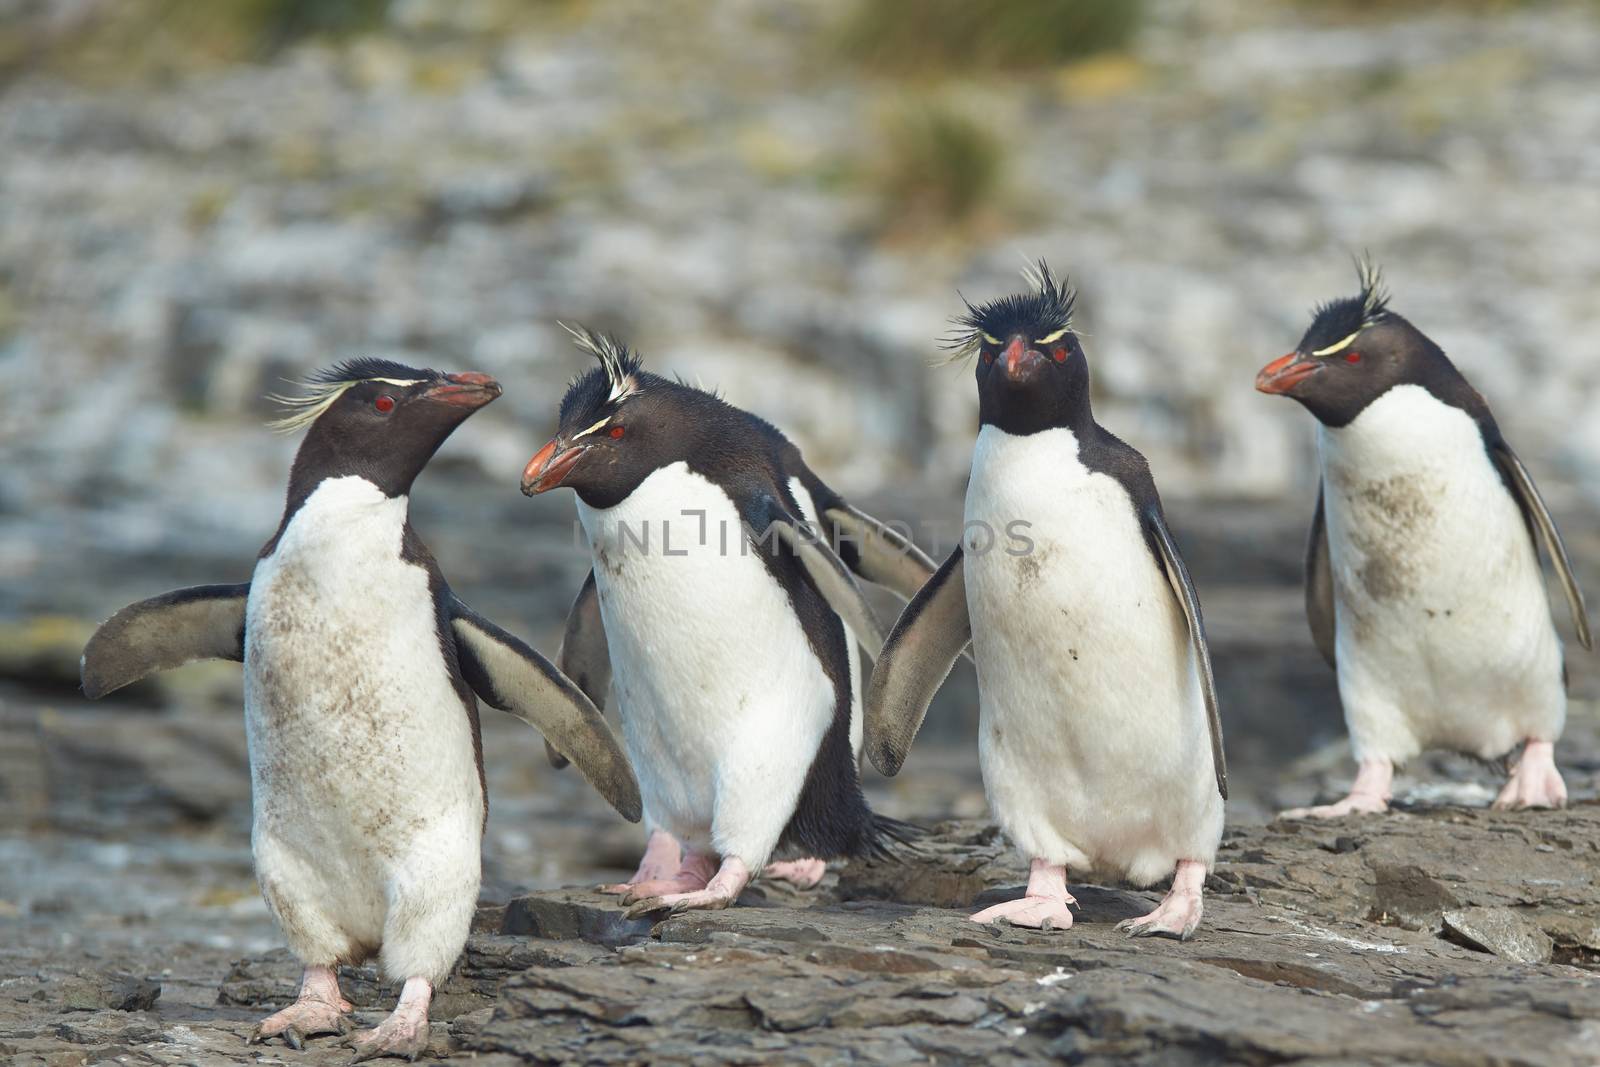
column 200, row 201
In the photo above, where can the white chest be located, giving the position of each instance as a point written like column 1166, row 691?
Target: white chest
column 673, row 566
column 1415, row 509
column 346, row 691
column 1053, row 549
column 705, row 645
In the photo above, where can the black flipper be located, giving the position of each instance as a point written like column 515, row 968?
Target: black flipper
column 925, row 643
column 584, row 656
column 1543, row 527
column 204, row 622
column 831, row 577
column 883, row 555
column 512, row 677
column 1183, row 589
column 1319, row 584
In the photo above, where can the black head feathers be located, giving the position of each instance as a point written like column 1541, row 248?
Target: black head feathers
column 321, row 388
column 1333, row 324
column 1039, row 314
column 614, row 380
column 370, row 368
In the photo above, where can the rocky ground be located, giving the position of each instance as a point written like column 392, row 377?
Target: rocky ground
column 1432, row 935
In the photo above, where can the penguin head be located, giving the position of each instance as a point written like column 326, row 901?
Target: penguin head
column 617, row 424
column 1354, row 351
column 1031, row 371
column 379, row 420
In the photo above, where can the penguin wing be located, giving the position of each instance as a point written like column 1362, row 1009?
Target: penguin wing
column 1183, row 589
column 829, row 573
column 883, row 555
column 872, row 549
column 203, row 622
column 1319, row 583
column 584, row 656
column 925, row 643
column 510, row 676
column 1544, row 527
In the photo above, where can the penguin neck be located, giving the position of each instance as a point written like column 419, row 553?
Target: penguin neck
column 331, row 451
column 1035, row 412
column 341, row 510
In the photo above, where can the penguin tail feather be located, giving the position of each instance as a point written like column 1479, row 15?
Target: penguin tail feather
column 889, row 839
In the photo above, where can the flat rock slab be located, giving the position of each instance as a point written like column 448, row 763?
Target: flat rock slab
column 1438, row 935
column 1501, row 931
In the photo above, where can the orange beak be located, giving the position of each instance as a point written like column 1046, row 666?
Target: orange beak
column 1021, row 362
column 468, row 390
column 1284, row 373
column 1014, row 352
column 550, row 466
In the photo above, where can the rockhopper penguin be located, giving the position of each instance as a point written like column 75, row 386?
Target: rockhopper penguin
column 1098, row 734
column 360, row 667
column 726, row 624
column 1423, row 585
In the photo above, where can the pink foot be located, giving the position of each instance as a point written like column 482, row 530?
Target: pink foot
column 696, row 871
column 1369, row 794
column 718, row 893
column 1178, row 914
column 802, row 874
column 1535, row 782
column 1044, row 907
column 318, row 1010
column 405, row 1032
column 663, row 856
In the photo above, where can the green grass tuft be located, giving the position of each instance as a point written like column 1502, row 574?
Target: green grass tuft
column 938, row 36
column 938, row 167
column 136, row 39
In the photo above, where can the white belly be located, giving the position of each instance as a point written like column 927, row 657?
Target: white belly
column 361, row 752
column 1444, row 635
column 722, row 699
column 1092, row 734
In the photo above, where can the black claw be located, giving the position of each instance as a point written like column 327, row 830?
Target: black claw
column 292, row 1038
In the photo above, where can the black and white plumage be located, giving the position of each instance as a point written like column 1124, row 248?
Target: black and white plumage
column 1424, row 589
column 1099, row 739
column 727, row 624
column 360, row 667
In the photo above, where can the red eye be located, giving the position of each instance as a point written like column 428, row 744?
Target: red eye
column 616, row 432
column 1353, row 357
column 988, row 357
column 1060, row 354
column 384, row 404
